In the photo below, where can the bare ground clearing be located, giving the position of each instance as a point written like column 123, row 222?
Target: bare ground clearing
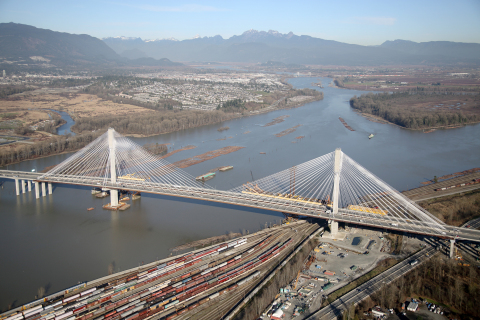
column 77, row 105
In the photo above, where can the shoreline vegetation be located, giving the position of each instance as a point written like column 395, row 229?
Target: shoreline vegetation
column 170, row 120
column 144, row 125
column 419, row 109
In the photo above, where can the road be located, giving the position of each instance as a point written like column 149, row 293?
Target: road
column 428, row 191
column 277, row 204
column 335, row 309
column 448, row 192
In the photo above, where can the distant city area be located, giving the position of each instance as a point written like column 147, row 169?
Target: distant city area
column 206, row 91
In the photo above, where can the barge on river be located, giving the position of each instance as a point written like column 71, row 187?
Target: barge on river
column 205, row 177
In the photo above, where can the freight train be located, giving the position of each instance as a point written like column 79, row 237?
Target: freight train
column 123, row 298
column 474, row 181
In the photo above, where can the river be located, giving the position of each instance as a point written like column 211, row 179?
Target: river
column 65, row 128
column 54, row 242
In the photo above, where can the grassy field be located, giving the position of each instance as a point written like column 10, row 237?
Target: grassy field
column 77, row 105
column 21, row 116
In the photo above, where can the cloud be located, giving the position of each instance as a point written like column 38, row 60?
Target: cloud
column 182, row 8
column 382, row 21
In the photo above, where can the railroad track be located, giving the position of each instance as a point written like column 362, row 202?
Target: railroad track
column 228, row 269
column 219, row 309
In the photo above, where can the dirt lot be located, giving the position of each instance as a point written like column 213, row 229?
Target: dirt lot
column 10, row 113
column 77, row 105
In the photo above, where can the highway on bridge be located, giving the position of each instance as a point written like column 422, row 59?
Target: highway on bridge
column 285, row 205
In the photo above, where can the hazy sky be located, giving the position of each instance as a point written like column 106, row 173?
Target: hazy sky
column 354, row 21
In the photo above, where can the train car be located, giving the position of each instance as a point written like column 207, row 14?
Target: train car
column 171, row 316
column 192, row 306
column 171, row 304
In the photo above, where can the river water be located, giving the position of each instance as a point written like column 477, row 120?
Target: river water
column 65, row 128
column 54, row 242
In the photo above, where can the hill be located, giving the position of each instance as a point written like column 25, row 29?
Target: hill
column 24, row 46
column 19, row 41
column 261, row 47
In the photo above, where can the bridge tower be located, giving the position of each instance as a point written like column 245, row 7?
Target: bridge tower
column 336, row 189
column 113, row 171
column 452, row 248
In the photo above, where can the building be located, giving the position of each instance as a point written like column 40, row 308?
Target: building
column 412, row 306
column 277, row 315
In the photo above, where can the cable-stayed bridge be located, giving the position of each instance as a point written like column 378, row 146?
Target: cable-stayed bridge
column 332, row 187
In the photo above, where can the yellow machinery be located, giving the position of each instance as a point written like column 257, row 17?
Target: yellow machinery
column 256, row 190
column 367, row 209
column 296, row 282
column 130, row 176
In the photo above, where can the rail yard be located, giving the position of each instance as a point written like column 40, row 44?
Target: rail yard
column 203, row 284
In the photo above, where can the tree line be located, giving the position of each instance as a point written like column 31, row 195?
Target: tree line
column 267, row 294
column 386, row 106
column 48, row 147
column 9, row 90
column 152, row 123
column 163, row 121
column 232, row 105
column 444, row 280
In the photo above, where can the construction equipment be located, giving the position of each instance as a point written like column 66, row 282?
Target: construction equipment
column 130, row 176
column 367, row 209
column 296, row 281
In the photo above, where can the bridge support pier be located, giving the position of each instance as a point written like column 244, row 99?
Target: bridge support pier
column 114, row 197
column 17, row 187
column 333, row 228
column 44, row 193
column 29, row 183
column 37, row 190
column 452, row 248
column 50, row 188
column 23, row 186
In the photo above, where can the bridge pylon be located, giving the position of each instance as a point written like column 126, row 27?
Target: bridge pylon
column 452, row 248
column 113, row 170
column 336, row 189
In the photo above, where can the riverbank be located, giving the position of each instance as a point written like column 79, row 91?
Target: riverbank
column 419, row 109
column 377, row 119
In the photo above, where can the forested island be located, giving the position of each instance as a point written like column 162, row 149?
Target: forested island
column 421, row 108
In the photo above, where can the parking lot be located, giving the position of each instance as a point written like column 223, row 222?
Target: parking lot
column 335, row 263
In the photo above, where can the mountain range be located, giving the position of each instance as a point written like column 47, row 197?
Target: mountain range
column 30, row 45
column 261, row 46
column 20, row 43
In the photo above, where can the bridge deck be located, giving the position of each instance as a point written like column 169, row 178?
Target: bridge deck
column 290, row 206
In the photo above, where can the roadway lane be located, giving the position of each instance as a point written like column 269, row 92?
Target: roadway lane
column 448, row 192
column 335, row 309
column 429, row 226
column 428, row 191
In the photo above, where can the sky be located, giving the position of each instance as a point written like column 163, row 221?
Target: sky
column 351, row 21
